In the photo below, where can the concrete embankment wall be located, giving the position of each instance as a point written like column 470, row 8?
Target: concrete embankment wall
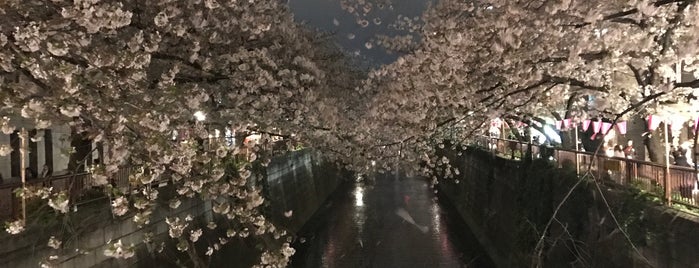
column 297, row 181
column 507, row 203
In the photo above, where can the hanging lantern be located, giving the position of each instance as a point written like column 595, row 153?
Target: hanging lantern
column 596, row 126
column 558, row 124
column 605, row 127
column 496, row 123
column 566, row 123
column 621, row 126
column 586, row 124
column 654, row 122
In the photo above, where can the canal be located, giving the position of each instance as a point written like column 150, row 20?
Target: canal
column 387, row 222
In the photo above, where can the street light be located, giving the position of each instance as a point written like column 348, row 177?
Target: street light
column 200, row 116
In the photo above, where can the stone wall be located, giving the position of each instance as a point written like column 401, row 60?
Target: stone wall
column 507, row 203
column 298, row 182
column 94, row 227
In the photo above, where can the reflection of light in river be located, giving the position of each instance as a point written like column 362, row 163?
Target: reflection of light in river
column 359, row 212
column 337, row 239
column 437, row 220
column 434, row 210
column 359, row 196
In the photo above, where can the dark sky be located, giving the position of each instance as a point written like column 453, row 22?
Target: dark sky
column 321, row 14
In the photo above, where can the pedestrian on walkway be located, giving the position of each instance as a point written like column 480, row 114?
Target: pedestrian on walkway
column 681, row 157
column 46, row 172
column 619, row 151
column 629, row 151
column 29, row 173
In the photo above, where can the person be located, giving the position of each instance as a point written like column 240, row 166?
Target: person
column 513, row 148
column 46, row 172
column 629, row 151
column 29, row 173
column 619, row 151
column 681, row 157
column 608, row 150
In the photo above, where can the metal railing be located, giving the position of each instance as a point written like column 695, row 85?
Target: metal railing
column 75, row 185
column 674, row 184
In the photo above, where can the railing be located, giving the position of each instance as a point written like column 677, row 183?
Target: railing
column 673, row 184
column 79, row 184
column 76, row 185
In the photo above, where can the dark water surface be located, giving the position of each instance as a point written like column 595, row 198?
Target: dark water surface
column 365, row 224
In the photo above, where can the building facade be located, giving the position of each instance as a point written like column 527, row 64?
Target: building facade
column 50, row 147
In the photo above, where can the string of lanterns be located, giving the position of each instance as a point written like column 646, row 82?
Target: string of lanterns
column 602, row 128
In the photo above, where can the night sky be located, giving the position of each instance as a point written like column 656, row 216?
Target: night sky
column 321, row 14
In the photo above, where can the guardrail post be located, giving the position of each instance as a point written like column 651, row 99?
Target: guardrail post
column 668, row 189
column 666, row 173
column 577, row 162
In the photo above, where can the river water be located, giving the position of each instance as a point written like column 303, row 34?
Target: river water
column 387, row 222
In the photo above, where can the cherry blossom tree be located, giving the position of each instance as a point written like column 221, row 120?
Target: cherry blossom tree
column 483, row 59
column 128, row 74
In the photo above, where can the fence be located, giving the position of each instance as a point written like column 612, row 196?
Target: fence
column 78, row 187
column 673, row 184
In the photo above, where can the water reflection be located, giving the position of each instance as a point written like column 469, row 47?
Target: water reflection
column 361, row 229
column 359, row 195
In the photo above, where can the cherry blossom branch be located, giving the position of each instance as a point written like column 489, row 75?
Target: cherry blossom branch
column 569, row 104
column 690, row 84
column 619, row 16
column 576, row 83
column 194, row 65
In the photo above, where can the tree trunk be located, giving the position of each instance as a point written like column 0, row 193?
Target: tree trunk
column 636, row 128
column 80, row 157
column 589, row 144
column 568, row 139
column 655, row 144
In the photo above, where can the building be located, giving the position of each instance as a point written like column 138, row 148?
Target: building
column 49, row 147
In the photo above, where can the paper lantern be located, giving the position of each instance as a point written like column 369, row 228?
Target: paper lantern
column 654, row 122
column 496, row 123
column 586, row 124
column 566, row 123
column 605, row 127
column 621, row 126
column 596, row 126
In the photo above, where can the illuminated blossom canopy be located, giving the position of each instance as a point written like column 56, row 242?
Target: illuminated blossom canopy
column 129, row 73
column 484, row 59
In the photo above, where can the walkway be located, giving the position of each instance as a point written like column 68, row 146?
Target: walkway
column 368, row 224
